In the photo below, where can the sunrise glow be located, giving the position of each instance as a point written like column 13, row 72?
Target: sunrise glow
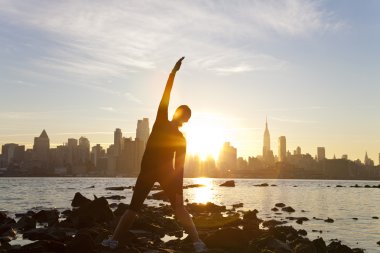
column 205, row 136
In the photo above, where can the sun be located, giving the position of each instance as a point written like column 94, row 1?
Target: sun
column 205, row 136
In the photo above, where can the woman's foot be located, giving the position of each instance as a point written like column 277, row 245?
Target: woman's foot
column 199, row 246
column 110, row 243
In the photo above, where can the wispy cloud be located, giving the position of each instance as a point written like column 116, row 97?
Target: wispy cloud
column 296, row 121
column 109, row 38
column 107, row 108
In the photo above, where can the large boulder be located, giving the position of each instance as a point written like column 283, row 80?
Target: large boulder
column 96, row 211
column 205, row 208
column 39, row 247
column 305, row 247
column 120, row 210
column 51, row 234
column 216, row 220
column 82, row 243
column 338, row 247
column 229, row 183
column 267, row 244
column 25, row 222
column 47, row 216
column 320, row 245
column 79, row 200
column 231, row 238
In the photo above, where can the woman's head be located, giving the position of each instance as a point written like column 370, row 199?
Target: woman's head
column 182, row 115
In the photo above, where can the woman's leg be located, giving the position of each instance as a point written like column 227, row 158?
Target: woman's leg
column 144, row 184
column 185, row 219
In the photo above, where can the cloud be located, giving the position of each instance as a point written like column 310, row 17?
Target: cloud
column 132, row 98
column 107, row 38
column 107, row 108
column 296, row 121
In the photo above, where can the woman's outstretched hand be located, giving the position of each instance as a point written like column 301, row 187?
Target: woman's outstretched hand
column 178, row 65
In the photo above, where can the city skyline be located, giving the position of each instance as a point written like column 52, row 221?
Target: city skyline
column 75, row 68
column 142, row 132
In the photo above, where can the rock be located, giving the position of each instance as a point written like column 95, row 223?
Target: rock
column 229, row 183
column 279, row 205
column 320, row 245
column 3, row 216
column 25, row 223
column 329, row 220
column 261, row 185
column 227, row 238
column 90, row 187
column 7, row 230
column 193, row 186
column 267, row 244
column 81, row 243
column 239, row 205
column 121, row 208
column 274, row 185
column 338, row 247
column 47, row 216
column 288, row 209
column 29, row 213
column 274, row 209
column 216, row 220
column 300, row 220
column 5, row 239
column 272, row 223
column 339, row 186
column 375, row 217
column 97, row 211
column 51, row 234
column 79, row 200
column 159, row 196
column 40, row 246
column 302, row 232
column 67, row 212
column 116, row 188
column 205, row 208
column 378, row 243
column 116, row 197
column 305, row 247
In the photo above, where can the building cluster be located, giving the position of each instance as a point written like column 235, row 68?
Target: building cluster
column 284, row 164
column 76, row 157
column 123, row 158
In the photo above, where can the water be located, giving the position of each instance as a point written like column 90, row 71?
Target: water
column 18, row 195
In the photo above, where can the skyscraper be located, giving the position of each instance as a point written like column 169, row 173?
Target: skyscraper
column 142, row 130
column 321, row 153
column 41, row 147
column 266, row 142
column 118, row 141
column 228, row 157
column 84, row 149
column 282, row 148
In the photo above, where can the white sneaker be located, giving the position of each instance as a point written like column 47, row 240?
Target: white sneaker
column 112, row 244
column 199, row 246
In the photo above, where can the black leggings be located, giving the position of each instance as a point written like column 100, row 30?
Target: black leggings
column 145, row 182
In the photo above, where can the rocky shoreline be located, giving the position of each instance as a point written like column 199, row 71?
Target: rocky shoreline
column 88, row 222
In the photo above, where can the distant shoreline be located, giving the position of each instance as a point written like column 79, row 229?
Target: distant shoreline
column 93, row 176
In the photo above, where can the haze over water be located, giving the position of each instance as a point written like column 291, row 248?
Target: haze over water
column 315, row 197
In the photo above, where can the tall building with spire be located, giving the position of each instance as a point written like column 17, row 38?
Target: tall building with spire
column 267, row 152
column 41, row 147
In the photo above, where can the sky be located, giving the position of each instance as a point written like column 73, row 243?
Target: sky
column 83, row 68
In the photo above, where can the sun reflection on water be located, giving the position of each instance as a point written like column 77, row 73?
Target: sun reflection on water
column 203, row 194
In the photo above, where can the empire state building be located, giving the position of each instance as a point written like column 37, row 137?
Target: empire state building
column 266, row 145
